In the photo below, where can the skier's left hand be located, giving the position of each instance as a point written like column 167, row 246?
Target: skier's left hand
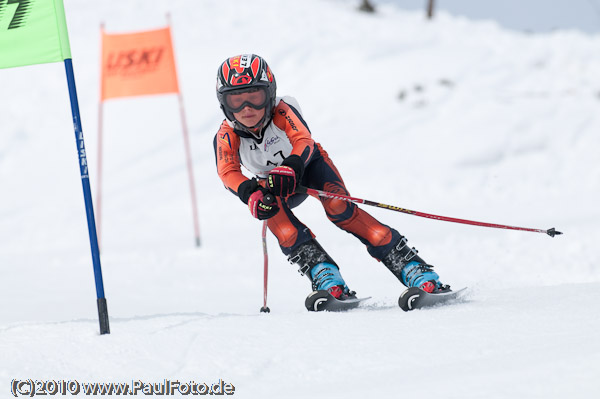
column 283, row 179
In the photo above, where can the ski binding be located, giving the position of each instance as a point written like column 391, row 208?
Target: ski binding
column 321, row 300
column 415, row 298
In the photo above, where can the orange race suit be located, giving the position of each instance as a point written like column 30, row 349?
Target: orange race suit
column 288, row 134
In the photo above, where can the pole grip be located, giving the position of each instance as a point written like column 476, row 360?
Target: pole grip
column 268, row 199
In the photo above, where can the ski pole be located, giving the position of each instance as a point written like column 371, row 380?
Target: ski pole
column 319, row 193
column 265, row 308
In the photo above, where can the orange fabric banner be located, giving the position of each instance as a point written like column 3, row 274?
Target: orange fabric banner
column 138, row 64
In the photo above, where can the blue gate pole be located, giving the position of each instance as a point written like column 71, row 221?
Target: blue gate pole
column 87, row 195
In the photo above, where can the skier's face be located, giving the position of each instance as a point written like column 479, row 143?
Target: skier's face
column 249, row 116
column 247, row 105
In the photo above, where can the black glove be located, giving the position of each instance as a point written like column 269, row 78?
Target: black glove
column 282, row 180
column 262, row 204
column 260, row 201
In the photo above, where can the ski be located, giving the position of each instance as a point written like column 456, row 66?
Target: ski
column 415, row 298
column 321, row 300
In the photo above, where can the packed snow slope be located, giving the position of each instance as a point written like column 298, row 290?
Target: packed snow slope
column 451, row 117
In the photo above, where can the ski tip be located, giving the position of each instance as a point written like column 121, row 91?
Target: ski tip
column 552, row 232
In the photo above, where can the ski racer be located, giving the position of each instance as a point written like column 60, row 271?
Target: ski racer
column 269, row 137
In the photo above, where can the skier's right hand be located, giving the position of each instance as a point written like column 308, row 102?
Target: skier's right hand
column 262, row 204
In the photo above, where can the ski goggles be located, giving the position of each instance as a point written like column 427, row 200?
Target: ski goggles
column 237, row 100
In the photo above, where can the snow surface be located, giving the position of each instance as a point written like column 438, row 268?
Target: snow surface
column 455, row 117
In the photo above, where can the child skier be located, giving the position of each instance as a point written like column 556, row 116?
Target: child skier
column 269, row 137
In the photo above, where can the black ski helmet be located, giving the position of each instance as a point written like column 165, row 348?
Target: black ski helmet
column 242, row 73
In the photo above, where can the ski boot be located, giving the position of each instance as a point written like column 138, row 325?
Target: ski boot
column 411, row 270
column 321, row 270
